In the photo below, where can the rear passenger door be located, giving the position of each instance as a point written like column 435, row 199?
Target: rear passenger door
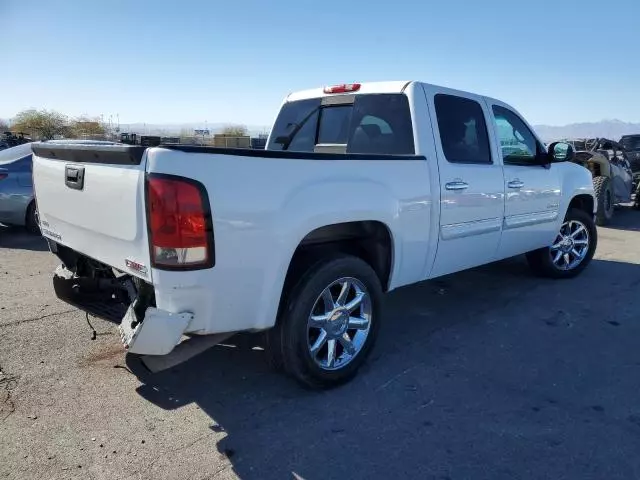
column 471, row 181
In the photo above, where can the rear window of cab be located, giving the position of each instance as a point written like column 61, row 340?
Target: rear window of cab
column 365, row 123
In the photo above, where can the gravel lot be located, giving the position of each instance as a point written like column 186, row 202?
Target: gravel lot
column 488, row 374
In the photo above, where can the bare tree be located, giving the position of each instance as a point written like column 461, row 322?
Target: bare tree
column 4, row 127
column 236, row 130
column 85, row 127
column 44, row 124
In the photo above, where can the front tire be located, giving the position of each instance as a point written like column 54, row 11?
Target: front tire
column 572, row 249
column 604, row 197
column 330, row 322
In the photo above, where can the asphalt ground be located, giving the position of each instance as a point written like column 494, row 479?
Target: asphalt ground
column 486, row 374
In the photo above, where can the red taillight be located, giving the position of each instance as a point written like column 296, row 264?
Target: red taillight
column 3, row 176
column 179, row 218
column 344, row 88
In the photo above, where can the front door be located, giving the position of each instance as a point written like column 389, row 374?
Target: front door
column 471, row 182
column 533, row 190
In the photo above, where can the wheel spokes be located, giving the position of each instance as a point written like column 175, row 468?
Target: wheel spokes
column 344, row 293
column 347, row 344
column 331, row 353
column 329, row 304
column 318, row 321
column 339, row 323
column 319, row 343
column 358, row 323
column 579, row 230
column 355, row 303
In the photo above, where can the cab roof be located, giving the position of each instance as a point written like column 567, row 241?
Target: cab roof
column 378, row 87
column 369, row 87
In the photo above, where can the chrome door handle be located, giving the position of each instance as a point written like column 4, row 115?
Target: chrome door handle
column 515, row 184
column 456, row 185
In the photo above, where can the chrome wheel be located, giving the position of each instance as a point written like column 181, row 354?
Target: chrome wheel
column 339, row 323
column 571, row 245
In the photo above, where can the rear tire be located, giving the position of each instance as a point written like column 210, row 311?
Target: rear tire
column 31, row 220
column 330, row 322
column 604, row 198
column 546, row 262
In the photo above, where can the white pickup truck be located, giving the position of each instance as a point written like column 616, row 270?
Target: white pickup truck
column 363, row 188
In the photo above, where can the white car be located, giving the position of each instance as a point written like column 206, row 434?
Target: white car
column 363, row 188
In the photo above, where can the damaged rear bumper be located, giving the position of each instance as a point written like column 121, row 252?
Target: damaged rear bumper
column 144, row 329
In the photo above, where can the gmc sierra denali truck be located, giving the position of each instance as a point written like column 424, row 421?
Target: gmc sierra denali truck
column 363, row 188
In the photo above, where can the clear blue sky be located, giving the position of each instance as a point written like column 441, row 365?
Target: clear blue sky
column 191, row 61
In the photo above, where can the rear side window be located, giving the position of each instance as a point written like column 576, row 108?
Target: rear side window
column 463, row 129
column 370, row 124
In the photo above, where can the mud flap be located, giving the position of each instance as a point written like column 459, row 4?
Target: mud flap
column 157, row 334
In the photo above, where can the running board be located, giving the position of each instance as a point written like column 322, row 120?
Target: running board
column 184, row 351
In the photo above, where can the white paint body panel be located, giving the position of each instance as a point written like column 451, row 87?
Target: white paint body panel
column 263, row 207
column 259, row 218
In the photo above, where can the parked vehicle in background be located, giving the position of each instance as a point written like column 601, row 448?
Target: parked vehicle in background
column 17, row 205
column 362, row 189
column 10, row 139
column 631, row 144
column 612, row 176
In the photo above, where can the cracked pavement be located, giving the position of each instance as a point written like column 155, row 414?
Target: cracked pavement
column 487, row 374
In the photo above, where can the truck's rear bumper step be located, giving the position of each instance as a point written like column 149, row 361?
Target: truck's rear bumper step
column 108, row 303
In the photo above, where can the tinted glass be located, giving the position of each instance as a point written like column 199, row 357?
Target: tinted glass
column 518, row 145
column 334, row 124
column 463, row 130
column 375, row 124
column 381, row 124
column 295, row 127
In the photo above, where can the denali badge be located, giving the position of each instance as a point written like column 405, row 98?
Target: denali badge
column 138, row 267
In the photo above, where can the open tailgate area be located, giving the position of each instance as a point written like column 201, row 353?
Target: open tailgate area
column 90, row 198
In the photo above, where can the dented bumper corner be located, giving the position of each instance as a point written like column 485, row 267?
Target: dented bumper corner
column 156, row 334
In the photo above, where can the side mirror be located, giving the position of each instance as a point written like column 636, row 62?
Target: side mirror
column 561, row 152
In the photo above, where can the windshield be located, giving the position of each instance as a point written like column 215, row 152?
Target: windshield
column 373, row 124
column 631, row 142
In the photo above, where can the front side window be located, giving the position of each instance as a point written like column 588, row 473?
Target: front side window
column 517, row 143
column 463, row 130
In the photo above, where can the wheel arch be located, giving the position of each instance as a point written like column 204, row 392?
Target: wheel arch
column 584, row 202
column 369, row 240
